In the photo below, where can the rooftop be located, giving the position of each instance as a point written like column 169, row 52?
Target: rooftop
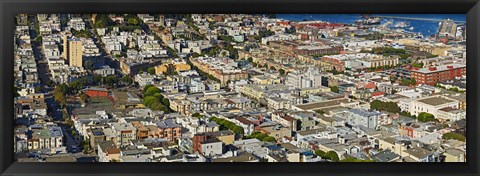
column 435, row 101
column 454, row 152
column 323, row 104
column 244, row 157
column 419, row 152
column 439, row 68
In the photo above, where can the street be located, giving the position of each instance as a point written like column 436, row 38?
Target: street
column 55, row 112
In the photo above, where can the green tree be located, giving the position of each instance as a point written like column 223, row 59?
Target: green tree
column 332, row 156
column 111, row 80
column 334, row 89
column 89, row 65
column 38, row 89
column 385, row 106
column 265, row 32
column 59, row 96
column 320, row 111
column 269, row 139
column 250, row 59
column 417, row 65
column 408, row 82
column 196, row 115
column 281, row 71
column 166, row 102
column 82, row 33
column 452, row 135
column 127, row 80
column 97, row 79
column 425, row 117
column 156, row 106
column 149, row 100
column 102, row 21
column 320, row 153
column 158, row 95
column 194, row 55
column 38, row 39
column 151, row 91
column 86, row 145
column 238, row 130
column 133, row 21
column 63, row 88
column 151, row 70
column 407, row 114
column 146, row 87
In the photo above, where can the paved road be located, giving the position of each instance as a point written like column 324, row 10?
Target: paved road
column 108, row 58
column 53, row 107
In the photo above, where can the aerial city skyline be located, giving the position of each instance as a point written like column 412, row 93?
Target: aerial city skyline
column 240, row 88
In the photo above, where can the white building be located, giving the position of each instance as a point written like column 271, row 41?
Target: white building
column 105, row 71
column 76, row 23
column 212, row 147
column 299, row 80
column 451, row 114
column 144, row 79
column 429, row 104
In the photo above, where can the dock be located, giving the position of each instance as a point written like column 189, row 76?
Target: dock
column 421, row 19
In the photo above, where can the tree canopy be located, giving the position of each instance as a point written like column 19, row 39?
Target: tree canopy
column 452, row 135
column 331, row 155
column 151, row 91
column 334, row 89
column 408, row 82
column 425, row 117
column 225, row 124
column 261, row 136
column 385, row 106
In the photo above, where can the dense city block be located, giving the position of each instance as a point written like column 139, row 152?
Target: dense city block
column 238, row 88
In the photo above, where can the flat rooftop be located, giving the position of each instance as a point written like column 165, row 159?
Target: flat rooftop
column 323, row 104
column 440, row 68
column 435, row 101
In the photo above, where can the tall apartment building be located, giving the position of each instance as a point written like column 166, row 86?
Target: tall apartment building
column 310, row 78
column 73, row 51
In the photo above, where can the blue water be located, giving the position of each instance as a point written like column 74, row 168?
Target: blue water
column 426, row 28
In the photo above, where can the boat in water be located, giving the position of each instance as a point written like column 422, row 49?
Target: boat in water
column 401, row 25
column 366, row 20
column 411, row 28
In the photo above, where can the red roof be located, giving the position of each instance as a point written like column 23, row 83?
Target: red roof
column 378, row 94
column 370, row 85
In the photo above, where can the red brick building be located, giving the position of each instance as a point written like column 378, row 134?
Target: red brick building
column 432, row 75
